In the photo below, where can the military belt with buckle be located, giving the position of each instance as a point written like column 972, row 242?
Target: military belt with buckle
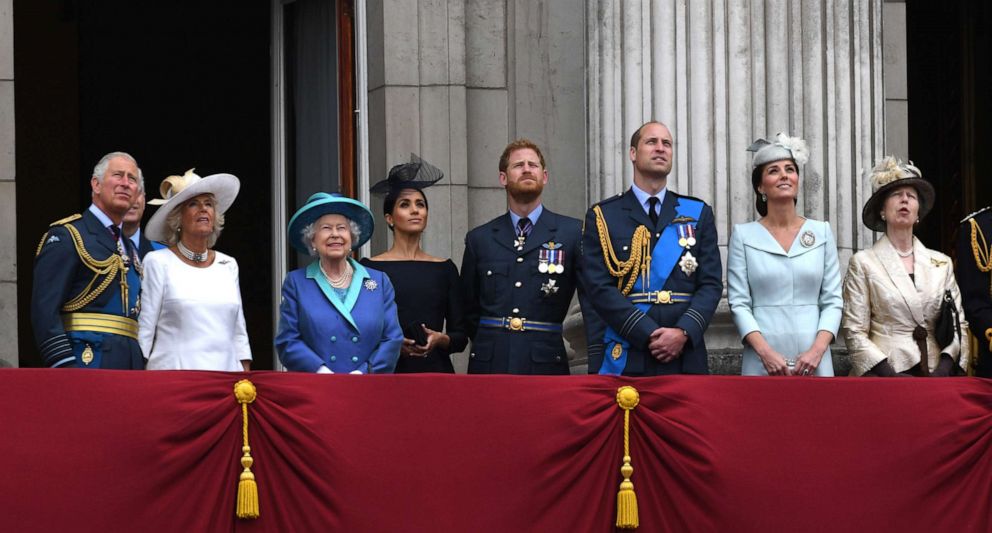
column 101, row 323
column 514, row 323
column 659, row 297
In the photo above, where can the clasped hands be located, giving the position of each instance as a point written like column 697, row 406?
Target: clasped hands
column 435, row 339
column 666, row 344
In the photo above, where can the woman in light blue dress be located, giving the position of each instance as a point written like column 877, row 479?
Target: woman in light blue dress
column 783, row 279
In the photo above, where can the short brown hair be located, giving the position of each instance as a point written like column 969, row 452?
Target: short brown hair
column 519, row 144
column 636, row 137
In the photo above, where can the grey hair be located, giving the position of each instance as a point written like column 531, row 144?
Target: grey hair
column 308, row 231
column 101, row 168
column 174, row 220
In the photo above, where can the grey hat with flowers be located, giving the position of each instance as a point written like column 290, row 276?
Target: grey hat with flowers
column 779, row 148
column 888, row 174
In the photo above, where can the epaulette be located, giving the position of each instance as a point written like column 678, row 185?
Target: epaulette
column 613, row 198
column 980, row 211
column 65, row 220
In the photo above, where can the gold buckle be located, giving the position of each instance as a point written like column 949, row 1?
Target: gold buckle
column 517, row 324
column 664, row 297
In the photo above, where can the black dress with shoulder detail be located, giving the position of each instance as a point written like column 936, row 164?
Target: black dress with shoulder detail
column 427, row 292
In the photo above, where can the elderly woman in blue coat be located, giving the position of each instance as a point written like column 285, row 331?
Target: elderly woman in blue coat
column 336, row 316
column 783, row 280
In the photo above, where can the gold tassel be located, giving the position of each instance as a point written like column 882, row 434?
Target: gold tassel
column 627, row 398
column 244, row 391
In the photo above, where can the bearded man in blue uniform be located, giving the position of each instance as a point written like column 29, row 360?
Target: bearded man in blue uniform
column 87, row 278
column 519, row 273
column 652, row 270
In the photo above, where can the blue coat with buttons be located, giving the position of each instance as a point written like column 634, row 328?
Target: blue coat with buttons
column 316, row 328
column 498, row 280
column 623, row 214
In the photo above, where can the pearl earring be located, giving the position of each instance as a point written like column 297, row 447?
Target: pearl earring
column 764, row 197
column 883, row 217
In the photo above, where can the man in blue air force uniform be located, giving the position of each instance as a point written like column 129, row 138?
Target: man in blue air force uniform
column 84, row 300
column 651, row 269
column 519, row 273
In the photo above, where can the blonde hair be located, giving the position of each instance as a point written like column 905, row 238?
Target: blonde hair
column 174, row 219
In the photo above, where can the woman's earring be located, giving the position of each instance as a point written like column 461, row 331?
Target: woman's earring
column 391, row 226
column 883, row 217
column 764, row 197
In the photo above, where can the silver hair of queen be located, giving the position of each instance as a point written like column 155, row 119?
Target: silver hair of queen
column 306, row 235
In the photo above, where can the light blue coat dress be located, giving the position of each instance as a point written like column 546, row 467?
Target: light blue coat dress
column 359, row 333
column 787, row 296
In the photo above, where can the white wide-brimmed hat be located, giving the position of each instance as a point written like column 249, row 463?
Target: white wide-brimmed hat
column 177, row 189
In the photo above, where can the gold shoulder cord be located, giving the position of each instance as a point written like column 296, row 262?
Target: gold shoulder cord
column 983, row 255
column 108, row 268
column 640, row 248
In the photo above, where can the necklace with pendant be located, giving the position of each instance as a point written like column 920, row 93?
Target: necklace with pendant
column 195, row 257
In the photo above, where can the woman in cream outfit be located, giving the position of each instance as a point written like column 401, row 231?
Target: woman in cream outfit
column 782, row 273
column 191, row 316
column 893, row 290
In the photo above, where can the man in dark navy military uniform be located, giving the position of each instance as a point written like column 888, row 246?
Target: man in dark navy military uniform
column 651, row 270
column 973, row 270
column 519, row 273
column 84, row 301
column 132, row 228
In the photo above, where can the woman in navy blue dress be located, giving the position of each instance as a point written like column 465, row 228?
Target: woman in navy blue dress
column 427, row 290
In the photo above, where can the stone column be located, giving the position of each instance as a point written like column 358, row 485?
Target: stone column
column 721, row 73
column 8, row 222
column 417, row 102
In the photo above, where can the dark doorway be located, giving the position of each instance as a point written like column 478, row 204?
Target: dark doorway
column 178, row 85
column 949, row 68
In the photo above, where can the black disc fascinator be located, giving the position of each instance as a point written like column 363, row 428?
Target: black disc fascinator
column 417, row 174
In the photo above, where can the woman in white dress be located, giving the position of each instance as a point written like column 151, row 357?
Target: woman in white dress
column 783, row 280
column 191, row 316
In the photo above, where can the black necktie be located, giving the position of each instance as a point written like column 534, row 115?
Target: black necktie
column 115, row 232
column 652, row 211
column 523, row 227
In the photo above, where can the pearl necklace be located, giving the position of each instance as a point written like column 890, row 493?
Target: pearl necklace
column 196, row 257
column 901, row 253
column 342, row 281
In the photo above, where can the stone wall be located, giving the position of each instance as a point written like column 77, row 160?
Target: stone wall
column 8, row 219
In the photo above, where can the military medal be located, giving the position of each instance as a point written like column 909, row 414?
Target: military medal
column 688, row 264
column 549, row 288
column 552, row 259
column 87, row 355
column 807, row 239
column 617, row 351
column 687, row 236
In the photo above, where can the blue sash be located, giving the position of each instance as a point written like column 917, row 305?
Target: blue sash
column 664, row 256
